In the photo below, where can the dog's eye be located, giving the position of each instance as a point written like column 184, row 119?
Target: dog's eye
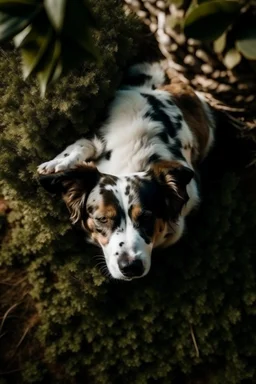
column 101, row 219
column 146, row 215
column 144, row 218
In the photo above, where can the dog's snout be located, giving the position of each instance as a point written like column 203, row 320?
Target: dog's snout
column 130, row 267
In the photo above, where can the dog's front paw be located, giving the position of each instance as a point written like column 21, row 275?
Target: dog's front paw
column 48, row 167
column 58, row 165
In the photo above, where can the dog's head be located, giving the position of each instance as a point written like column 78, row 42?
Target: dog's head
column 124, row 215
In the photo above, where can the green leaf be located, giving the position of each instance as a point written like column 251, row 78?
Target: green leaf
column 11, row 3
column 220, row 43
column 72, row 21
column 76, row 27
column 79, row 54
column 12, row 25
column 51, row 66
column 246, row 41
column 56, row 10
column 34, row 45
column 232, row 58
column 172, row 21
column 209, row 20
column 18, row 7
column 203, row 1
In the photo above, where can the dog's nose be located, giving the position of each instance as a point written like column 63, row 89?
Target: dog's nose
column 130, row 268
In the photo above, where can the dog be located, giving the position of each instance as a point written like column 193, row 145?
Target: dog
column 132, row 185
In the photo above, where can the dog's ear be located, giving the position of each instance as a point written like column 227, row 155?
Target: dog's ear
column 174, row 178
column 74, row 185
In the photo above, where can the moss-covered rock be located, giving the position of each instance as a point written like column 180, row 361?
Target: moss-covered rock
column 193, row 315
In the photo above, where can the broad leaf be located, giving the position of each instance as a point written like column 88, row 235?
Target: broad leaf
column 79, row 54
column 51, row 66
column 232, row 58
column 78, row 21
column 12, row 25
column 34, row 45
column 72, row 21
column 56, row 10
column 209, row 20
column 204, row 1
column 220, row 43
column 17, row 7
column 11, row 3
column 20, row 8
column 246, row 41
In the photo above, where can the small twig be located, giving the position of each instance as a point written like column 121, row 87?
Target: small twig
column 6, row 314
column 3, row 334
column 23, row 337
column 194, row 341
column 12, row 371
column 13, row 285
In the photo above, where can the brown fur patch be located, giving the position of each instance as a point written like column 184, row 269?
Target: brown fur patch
column 158, row 230
column 96, row 236
column 79, row 182
column 135, row 212
column 99, row 238
column 109, row 211
column 74, row 199
column 175, row 177
column 162, row 170
column 100, row 234
column 194, row 115
column 90, row 224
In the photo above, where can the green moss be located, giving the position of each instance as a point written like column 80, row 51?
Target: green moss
column 98, row 330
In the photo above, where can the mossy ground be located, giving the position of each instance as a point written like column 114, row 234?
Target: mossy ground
column 192, row 316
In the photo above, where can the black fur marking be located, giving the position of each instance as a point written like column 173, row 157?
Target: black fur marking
column 127, row 190
column 121, row 244
column 90, row 209
column 108, row 155
column 163, row 136
column 154, row 158
column 152, row 199
column 166, row 79
column 157, row 113
column 66, row 154
column 116, row 253
column 136, row 79
column 131, row 197
column 108, row 180
column 176, row 150
column 144, row 225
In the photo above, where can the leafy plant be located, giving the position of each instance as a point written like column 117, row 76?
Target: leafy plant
column 53, row 35
column 228, row 24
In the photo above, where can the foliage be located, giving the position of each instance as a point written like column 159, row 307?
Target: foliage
column 100, row 331
column 47, row 31
column 230, row 24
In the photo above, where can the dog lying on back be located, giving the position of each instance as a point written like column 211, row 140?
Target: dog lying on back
column 131, row 186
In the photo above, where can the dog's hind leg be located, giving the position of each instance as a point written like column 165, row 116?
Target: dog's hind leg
column 81, row 150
